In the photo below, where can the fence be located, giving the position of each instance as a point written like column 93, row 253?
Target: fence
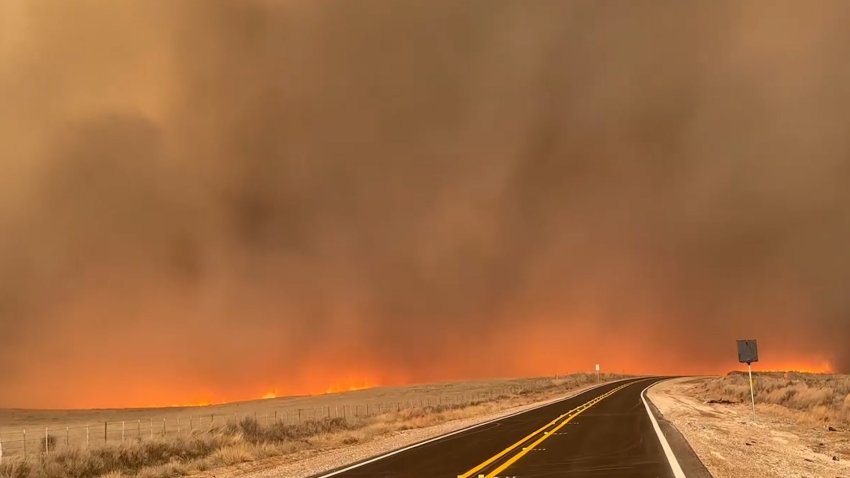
column 32, row 441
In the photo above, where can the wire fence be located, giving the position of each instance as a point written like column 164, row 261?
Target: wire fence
column 35, row 441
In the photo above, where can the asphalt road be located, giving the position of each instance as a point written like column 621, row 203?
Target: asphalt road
column 604, row 432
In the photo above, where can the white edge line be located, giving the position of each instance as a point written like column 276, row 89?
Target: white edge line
column 671, row 458
column 471, row 427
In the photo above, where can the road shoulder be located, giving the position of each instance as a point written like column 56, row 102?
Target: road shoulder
column 781, row 443
column 688, row 459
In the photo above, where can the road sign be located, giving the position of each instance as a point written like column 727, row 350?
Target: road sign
column 748, row 351
column 597, row 367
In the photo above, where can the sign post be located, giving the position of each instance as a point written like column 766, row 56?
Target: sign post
column 597, row 373
column 748, row 353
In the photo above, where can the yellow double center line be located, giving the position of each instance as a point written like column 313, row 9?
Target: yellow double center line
column 557, row 423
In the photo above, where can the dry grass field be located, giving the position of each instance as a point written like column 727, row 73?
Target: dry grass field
column 824, row 398
column 186, row 440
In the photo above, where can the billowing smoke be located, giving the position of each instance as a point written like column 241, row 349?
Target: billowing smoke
column 207, row 200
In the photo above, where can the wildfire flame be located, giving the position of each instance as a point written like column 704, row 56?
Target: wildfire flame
column 350, row 386
column 801, row 366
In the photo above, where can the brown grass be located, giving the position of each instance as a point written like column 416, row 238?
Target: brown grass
column 825, row 398
column 246, row 440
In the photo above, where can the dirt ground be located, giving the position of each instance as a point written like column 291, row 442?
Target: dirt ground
column 781, row 443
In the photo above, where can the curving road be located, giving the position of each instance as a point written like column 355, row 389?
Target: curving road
column 603, row 432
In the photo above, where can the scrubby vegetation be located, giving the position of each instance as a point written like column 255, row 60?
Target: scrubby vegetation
column 825, row 398
column 233, row 443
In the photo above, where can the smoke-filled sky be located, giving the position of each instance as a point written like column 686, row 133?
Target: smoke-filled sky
column 208, row 200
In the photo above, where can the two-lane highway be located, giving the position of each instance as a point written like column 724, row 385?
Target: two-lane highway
column 603, row 432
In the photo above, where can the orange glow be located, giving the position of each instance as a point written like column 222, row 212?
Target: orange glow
column 536, row 361
column 350, row 386
column 531, row 347
column 198, row 402
column 799, row 366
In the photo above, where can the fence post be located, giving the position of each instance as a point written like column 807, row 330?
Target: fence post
column 104, row 432
column 46, row 442
column 178, row 425
column 25, row 443
column 123, row 427
column 67, row 437
column 87, row 436
column 299, row 415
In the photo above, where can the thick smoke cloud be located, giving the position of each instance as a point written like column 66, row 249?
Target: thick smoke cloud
column 205, row 200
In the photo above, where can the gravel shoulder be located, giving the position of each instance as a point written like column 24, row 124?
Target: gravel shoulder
column 781, row 442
